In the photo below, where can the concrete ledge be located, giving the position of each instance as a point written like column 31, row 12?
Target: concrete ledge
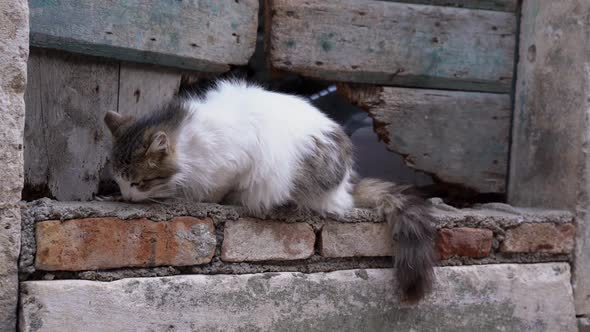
column 66, row 240
column 503, row 297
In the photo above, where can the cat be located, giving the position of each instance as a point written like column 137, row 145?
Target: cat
column 241, row 144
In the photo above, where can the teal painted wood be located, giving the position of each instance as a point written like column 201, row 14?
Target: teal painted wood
column 382, row 42
column 203, row 35
column 499, row 5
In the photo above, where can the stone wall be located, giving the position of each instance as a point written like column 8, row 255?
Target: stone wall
column 14, row 50
column 276, row 272
column 86, row 239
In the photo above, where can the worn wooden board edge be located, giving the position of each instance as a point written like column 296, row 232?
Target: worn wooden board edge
column 495, row 5
column 409, row 81
column 490, row 180
column 357, row 75
column 42, row 40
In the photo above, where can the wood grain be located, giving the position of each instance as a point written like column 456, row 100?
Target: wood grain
column 66, row 143
column 144, row 88
column 499, row 5
column 35, row 147
column 460, row 137
column 66, row 130
column 204, row 35
column 381, row 42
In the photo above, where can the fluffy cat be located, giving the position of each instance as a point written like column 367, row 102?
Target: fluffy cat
column 240, row 144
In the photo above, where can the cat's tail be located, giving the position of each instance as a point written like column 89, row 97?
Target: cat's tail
column 414, row 235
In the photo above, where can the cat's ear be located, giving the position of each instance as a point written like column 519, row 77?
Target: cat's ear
column 160, row 145
column 115, row 121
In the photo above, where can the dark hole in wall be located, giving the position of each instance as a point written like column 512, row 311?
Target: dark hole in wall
column 32, row 192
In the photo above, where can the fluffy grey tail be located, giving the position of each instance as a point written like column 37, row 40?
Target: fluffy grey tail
column 414, row 235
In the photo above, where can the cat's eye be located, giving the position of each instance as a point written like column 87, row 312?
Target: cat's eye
column 143, row 182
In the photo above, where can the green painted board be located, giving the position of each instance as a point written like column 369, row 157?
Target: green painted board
column 381, row 42
column 203, row 35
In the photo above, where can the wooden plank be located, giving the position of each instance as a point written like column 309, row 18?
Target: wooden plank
column 74, row 94
column 35, row 147
column 498, row 5
column 66, row 143
column 204, row 35
column 394, row 43
column 143, row 88
column 460, row 137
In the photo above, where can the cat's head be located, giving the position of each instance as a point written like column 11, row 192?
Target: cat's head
column 143, row 158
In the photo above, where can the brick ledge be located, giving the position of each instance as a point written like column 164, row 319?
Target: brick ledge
column 134, row 245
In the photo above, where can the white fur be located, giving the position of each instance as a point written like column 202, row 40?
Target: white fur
column 248, row 141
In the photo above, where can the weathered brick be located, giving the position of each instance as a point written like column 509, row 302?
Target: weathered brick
column 105, row 243
column 261, row 240
column 350, row 240
column 464, row 242
column 545, row 237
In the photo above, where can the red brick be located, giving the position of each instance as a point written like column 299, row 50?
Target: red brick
column 261, row 240
column 545, row 237
column 464, row 242
column 353, row 240
column 105, row 243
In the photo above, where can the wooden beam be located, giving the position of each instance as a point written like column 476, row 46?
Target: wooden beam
column 497, row 5
column 382, row 42
column 200, row 35
column 460, row 137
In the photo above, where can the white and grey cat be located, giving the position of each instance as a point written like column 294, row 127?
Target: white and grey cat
column 240, row 144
